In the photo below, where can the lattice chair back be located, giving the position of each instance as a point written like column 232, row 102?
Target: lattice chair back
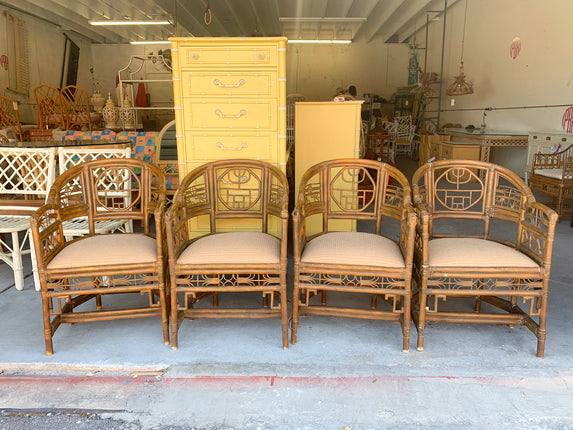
column 110, row 189
column 76, row 108
column 347, row 189
column 26, row 171
column 492, row 196
column 236, row 189
column 25, row 179
column 50, row 107
column 404, row 134
column 9, row 116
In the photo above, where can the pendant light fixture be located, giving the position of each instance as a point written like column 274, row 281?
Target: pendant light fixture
column 460, row 87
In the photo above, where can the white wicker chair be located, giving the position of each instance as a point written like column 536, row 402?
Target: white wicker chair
column 26, row 175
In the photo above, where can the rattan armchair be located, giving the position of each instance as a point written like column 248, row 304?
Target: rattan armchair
column 50, row 107
column 227, row 233
column 481, row 236
column 75, row 272
column 333, row 196
column 553, row 174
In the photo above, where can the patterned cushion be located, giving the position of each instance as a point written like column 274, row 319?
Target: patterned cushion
column 353, row 248
column 471, row 252
column 144, row 145
column 107, row 249
column 243, row 247
column 95, row 135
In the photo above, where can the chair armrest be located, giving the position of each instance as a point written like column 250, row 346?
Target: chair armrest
column 299, row 232
column 47, row 233
column 422, row 232
column 408, row 233
column 176, row 229
column 159, row 215
column 537, row 232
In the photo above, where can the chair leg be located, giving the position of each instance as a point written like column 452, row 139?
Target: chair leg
column 284, row 312
column 295, row 305
column 541, row 332
column 174, row 315
column 164, row 314
column 422, row 316
column 406, row 321
column 37, row 285
column 48, row 333
column 17, row 266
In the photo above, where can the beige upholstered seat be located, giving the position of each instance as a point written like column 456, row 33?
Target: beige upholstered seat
column 331, row 258
column 227, row 233
column 354, row 248
column 481, row 236
column 474, row 252
column 233, row 248
column 75, row 271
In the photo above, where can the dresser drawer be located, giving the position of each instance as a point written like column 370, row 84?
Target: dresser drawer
column 241, row 84
column 243, row 55
column 209, row 146
column 227, row 114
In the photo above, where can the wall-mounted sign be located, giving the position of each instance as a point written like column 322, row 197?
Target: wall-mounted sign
column 515, row 47
column 4, row 62
column 567, row 120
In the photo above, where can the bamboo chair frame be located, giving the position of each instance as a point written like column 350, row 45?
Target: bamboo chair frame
column 70, row 157
column 225, row 194
column 10, row 117
column 76, row 108
column 513, row 234
column 95, row 266
column 352, row 190
column 553, row 174
column 50, row 107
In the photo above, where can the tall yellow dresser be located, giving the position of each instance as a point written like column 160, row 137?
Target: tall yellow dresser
column 230, row 100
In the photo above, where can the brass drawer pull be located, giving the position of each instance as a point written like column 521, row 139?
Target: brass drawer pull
column 241, row 146
column 241, row 113
column 237, row 85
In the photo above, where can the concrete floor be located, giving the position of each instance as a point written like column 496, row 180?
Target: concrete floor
column 234, row 374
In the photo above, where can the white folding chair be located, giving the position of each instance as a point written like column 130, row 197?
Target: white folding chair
column 26, row 175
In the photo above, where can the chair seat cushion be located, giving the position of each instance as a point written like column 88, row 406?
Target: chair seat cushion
column 353, row 248
column 242, row 247
column 478, row 253
column 550, row 173
column 107, row 249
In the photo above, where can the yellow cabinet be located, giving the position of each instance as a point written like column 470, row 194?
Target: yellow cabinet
column 457, row 151
column 230, row 101
column 325, row 131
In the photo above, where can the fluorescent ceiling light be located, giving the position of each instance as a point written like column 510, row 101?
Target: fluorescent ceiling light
column 320, row 41
column 150, row 42
column 318, row 19
column 129, row 22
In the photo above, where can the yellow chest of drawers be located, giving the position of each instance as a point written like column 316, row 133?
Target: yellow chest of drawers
column 230, row 99
column 230, row 102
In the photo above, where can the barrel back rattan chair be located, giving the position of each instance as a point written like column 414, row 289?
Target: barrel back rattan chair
column 552, row 174
column 73, row 272
column 481, row 236
column 227, row 233
column 333, row 197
